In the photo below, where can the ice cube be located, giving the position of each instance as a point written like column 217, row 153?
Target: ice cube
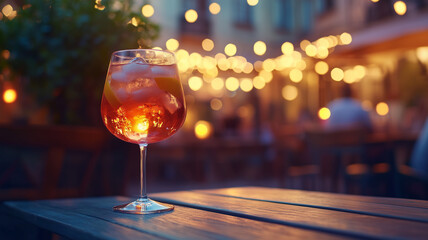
column 163, row 71
column 139, row 83
column 134, row 68
column 143, row 94
column 121, row 94
column 170, row 103
column 118, row 77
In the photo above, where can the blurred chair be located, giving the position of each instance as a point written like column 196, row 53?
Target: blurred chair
column 340, row 155
column 43, row 157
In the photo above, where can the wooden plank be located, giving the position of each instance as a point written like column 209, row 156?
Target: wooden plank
column 350, row 224
column 71, row 224
column 325, row 201
column 182, row 223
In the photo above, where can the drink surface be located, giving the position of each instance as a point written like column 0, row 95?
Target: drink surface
column 142, row 103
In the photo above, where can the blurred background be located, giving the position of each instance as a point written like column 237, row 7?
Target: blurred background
column 322, row 95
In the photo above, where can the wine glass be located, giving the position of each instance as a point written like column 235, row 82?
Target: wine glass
column 142, row 103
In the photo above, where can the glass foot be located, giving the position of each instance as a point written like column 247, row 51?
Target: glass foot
column 143, row 206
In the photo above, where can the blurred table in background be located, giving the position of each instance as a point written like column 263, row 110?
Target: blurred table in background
column 233, row 213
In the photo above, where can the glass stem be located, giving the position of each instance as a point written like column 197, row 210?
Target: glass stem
column 143, row 157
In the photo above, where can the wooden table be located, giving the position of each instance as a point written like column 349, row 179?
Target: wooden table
column 234, row 213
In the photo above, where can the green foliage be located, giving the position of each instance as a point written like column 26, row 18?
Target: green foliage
column 60, row 49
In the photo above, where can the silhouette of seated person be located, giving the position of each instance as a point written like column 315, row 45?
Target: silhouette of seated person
column 419, row 158
column 347, row 112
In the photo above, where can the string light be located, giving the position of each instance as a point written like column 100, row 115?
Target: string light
column 287, row 48
column 9, row 96
column 321, row 68
column 214, row 8
column 230, row 49
column 208, row 44
column 252, row 2
column 191, row 16
column 147, row 10
column 345, row 38
column 246, row 84
column 232, row 84
column 296, row 75
column 337, row 74
column 324, row 113
column 203, row 129
column 195, row 83
column 382, row 109
column 217, row 83
column 172, row 44
column 259, row 48
column 400, row 7
column 216, row 104
column 289, row 92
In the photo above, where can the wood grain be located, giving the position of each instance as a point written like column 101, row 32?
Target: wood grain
column 88, row 216
column 346, row 203
column 345, row 223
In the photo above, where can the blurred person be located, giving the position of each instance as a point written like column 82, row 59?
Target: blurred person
column 347, row 112
column 419, row 158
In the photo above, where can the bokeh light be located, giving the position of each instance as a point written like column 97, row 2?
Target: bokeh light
column 195, row 83
column 9, row 96
column 321, row 67
column 400, row 7
column 208, row 44
column 217, row 83
column 232, row 84
column 259, row 48
column 147, row 10
column 287, row 48
column 246, row 84
column 258, row 82
column 296, row 75
column 311, row 50
column 214, row 8
column 252, row 2
column 191, row 16
column 289, row 92
column 172, row 44
column 337, row 74
column 203, row 129
column 345, row 38
column 324, row 113
column 216, row 104
column 230, row 49
column 382, row 108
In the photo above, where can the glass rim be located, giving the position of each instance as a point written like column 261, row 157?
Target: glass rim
column 143, row 50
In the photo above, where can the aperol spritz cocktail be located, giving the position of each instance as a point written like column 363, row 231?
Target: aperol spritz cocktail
column 143, row 103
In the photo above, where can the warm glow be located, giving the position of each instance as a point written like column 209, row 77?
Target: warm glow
column 375, row 1
column 349, row 76
column 321, row 67
column 259, row 48
column 216, row 104
column 382, row 108
column 207, row 44
column 5, row 54
column 296, row 75
column 246, row 84
column 359, row 71
column 9, row 96
column 195, row 83
column 191, row 16
column 287, row 48
column 232, row 84
column 367, row 105
column 289, row 92
column 172, row 44
column 157, row 48
column 7, row 10
column 147, row 10
column 258, row 82
column 258, row 66
column 337, row 74
column 422, row 54
column 324, row 113
column 267, row 76
column 269, row 65
column 400, row 7
column 203, row 129
column 304, row 44
column 322, row 52
column 252, row 2
column 217, row 83
column 230, row 49
column 142, row 127
column 345, row 38
column 134, row 22
column 248, row 68
column 214, row 8
column 311, row 50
